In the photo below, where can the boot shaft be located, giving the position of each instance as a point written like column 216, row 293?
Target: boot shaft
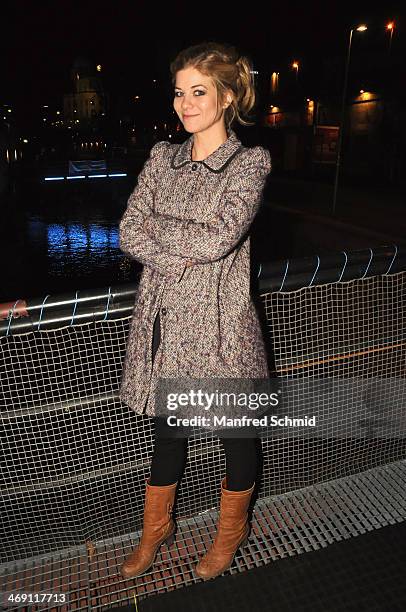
column 159, row 502
column 234, row 506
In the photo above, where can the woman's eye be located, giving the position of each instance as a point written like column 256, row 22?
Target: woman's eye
column 200, row 91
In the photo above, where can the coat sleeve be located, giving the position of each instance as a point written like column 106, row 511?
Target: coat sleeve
column 133, row 240
column 208, row 241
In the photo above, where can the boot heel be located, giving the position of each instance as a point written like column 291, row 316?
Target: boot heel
column 170, row 540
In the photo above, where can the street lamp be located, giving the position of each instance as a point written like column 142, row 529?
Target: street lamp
column 360, row 28
column 295, row 66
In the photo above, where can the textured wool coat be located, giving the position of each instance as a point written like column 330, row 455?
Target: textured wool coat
column 184, row 210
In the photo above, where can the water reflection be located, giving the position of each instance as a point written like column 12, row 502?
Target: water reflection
column 73, row 240
column 89, row 246
column 63, row 239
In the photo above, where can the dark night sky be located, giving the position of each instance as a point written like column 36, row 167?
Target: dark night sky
column 133, row 41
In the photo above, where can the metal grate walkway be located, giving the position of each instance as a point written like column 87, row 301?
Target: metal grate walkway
column 289, row 524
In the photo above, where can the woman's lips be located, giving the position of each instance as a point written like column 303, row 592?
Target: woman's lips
column 189, row 116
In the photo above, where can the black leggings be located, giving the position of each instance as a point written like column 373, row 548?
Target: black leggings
column 170, row 452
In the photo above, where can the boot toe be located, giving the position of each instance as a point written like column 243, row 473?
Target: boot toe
column 135, row 565
column 210, row 567
column 127, row 571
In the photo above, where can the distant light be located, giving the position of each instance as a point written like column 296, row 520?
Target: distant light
column 136, row 97
column 45, row 106
column 361, row 91
column 9, row 110
column 154, row 80
column 271, row 105
column 366, row 95
column 154, row 127
column 58, row 112
column 307, row 99
column 98, row 67
column 295, row 65
column 390, row 26
column 361, row 28
column 25, row 140
column 43, row 119
column 83, row 176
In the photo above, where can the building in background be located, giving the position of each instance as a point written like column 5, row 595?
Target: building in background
column 303, row 132
column 88, row 101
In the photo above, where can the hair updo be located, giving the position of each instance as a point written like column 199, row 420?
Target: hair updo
column 228, row 70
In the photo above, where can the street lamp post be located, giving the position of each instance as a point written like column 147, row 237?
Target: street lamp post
column 360, row 28
column 390, row 27
column 387, row 126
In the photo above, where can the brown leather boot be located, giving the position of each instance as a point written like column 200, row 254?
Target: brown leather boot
column 232, row 532
column 158, row 527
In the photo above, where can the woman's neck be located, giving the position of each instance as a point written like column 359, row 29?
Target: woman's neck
column 201, row 151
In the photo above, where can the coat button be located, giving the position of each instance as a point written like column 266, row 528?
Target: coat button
column 194, row 167
column 163, row 310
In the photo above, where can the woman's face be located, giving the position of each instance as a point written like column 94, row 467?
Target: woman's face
column 195, row 100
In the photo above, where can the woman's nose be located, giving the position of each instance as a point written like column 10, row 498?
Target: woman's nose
column 186, row 102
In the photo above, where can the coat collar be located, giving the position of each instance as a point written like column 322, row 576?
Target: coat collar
column 216, row 161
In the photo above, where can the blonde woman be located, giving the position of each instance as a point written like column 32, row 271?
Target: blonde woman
column 187, row 222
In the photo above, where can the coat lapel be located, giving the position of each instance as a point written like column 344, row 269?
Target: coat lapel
column 216, row 161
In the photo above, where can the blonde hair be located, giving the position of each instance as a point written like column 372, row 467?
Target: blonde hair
column 228, row 70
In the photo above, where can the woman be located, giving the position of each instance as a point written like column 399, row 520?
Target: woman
column 187, row 222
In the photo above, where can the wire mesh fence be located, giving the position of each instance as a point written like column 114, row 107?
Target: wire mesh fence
column 74, row 459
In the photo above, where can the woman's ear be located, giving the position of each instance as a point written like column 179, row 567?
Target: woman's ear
column 228, row 101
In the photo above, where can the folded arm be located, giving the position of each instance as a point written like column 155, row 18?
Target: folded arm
column 209, row 241
column 133, row 239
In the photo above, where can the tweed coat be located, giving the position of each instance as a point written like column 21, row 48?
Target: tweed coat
column 184, row 210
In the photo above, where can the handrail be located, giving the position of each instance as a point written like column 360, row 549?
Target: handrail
column 342, row 266
column 115, row 302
